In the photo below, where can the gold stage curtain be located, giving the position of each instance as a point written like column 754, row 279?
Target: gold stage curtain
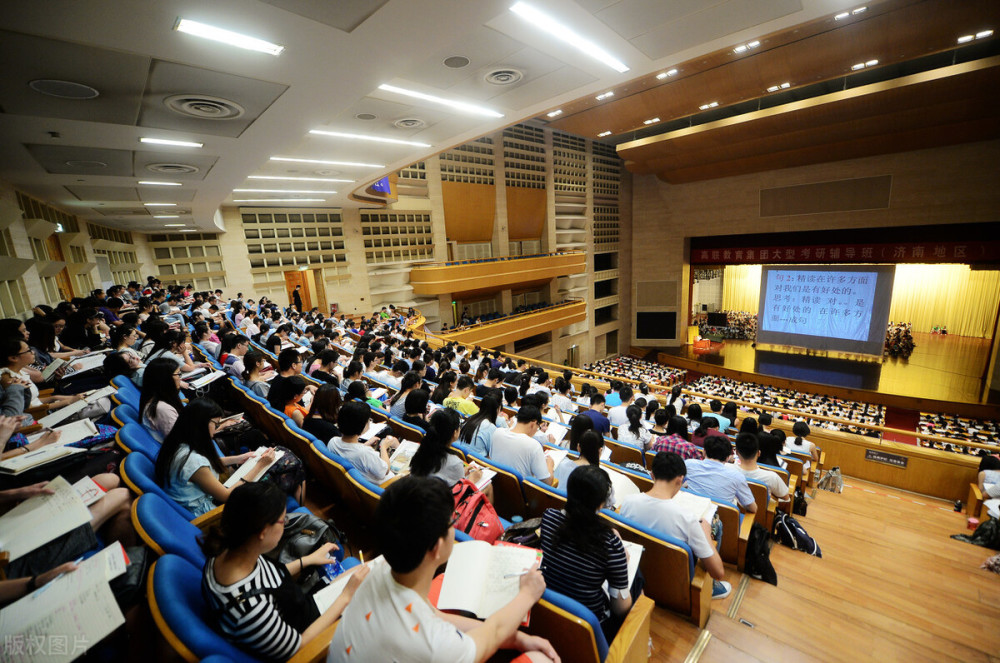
column 741, row 288
column 955, row 296
column 962, row 299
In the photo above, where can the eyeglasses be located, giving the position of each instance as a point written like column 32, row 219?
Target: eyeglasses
column 26, row 352
column 177, row 374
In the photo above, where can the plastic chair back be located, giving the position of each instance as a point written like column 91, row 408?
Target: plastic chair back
column 133, row 437
column 138, row 473
column 164, row 530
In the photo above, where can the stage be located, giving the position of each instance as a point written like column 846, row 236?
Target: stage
column 946, row 368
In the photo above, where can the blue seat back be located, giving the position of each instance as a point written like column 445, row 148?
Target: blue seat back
column 165, row 530
column 138, row 472
column 181, row 613
column 124, row 414
column 128, row 393
column 560, row 605
column 136, row 438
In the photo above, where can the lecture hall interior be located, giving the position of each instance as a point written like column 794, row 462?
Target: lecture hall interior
column 604, row 187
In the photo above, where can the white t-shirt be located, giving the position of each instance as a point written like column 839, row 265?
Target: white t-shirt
column 520, row 452
column 806, row 447
column 386, row 621
column 561, row 402
column 617, row 415
column 625, row 436
column 665, row 516
column 773, row 481
column 363, row 458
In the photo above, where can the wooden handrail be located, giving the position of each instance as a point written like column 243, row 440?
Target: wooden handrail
column 471, row 261
column 508, row 318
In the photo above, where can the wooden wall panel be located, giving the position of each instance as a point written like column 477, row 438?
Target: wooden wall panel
column 469, row 211
column 525, row 213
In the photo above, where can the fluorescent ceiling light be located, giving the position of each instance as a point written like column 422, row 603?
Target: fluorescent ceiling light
column 651, row 121
column 461, row 106
column 841, row 16
column 564, row 34
column 227, row 37
column 984, row 34
column 753, row 44
column 166, row 216
column 173, row 225
column 871, row 63
column 965, row 39
column 189, row 230
column 296, row 179
column 280, row 191
column 606, row 95
column 782, row 86
column 554, row 113
column 743, row 48
column 859, row 10
column 175, row 143
column 665, row 74
column 855, row 67
column 152, row 183
column 603, row 134
column 376, row 139
column 325, row 162
column 160, row 204
column 709, row 105
column 280, row 200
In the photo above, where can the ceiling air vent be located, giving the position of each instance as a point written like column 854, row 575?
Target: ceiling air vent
column 366, row 116
column 172, row 168
column 504, row 76
column 83, row 163
column 204, row 107
column 410, row 123
column 63, row 89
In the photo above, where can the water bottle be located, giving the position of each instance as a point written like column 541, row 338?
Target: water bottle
column 516, row 520
column 330, row 570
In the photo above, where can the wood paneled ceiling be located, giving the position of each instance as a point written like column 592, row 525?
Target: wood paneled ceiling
column 850, row 119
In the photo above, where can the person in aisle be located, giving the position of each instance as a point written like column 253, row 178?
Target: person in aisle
column 391, row 617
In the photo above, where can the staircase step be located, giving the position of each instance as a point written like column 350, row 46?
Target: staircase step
column 751, row 645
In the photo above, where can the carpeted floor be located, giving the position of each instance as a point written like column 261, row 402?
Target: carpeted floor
column 899, row 418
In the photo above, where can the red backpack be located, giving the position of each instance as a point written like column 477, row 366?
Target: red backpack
column 476, row 516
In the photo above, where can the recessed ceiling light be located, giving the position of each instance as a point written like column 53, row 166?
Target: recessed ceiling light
column 280, row 191
column 859, row 10
column 782, row 86
column 189, row 230
column 160, row 204
column 154, row 183
column 603, row 134
column 175, row 143
column 376, row 139
column 708, row 105
column 606, row 95
column 171, row 225
column 666, row 74
column 965, row 39
column 871, row 63
column 329, row 163
column 554, row 113
column 543, row 21
column 651, row 121
column 841, row 16
column 461, row 106
column 227, row 37
column 983, row 34
column 167, row 216
column 280, row 200
column 296, row 179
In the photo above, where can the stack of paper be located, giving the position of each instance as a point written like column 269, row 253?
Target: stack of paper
column 245, row 468
column 373, row 431
column 206, row 379
column 36, row 521
column 33, row 459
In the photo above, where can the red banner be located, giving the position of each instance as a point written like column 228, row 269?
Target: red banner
column 921, row 252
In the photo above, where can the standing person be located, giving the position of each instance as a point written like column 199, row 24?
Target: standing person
column 297, row 298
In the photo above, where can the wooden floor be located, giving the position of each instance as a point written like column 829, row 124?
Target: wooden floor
column 941, row 367
column 891, row 586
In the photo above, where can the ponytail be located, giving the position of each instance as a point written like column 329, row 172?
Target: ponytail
column 634, row 415
column 590, row 446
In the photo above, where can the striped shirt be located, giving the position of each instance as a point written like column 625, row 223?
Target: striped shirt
column 581, row 575
column 678, row 445
column 254, row 625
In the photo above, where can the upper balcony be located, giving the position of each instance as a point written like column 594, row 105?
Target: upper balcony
column 523, row 325
column 443, row 278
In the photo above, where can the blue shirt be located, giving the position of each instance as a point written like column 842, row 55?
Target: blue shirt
column 720, row 481
column 601, row 423
column 612, row 399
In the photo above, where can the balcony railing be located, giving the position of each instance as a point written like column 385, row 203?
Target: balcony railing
column 515, row 327
column 463, row 275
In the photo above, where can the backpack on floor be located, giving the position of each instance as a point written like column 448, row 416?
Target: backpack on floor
column 758, row 558
column 832, row 481
column 476, row 516
column 790, row 533
column 799, row 504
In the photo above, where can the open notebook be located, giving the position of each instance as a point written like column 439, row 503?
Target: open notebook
column 245, row 468
column 36, row 521
column 481, row 578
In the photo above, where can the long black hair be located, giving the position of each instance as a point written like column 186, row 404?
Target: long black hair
column 410, row 380
column 489, row 408
column 191, row 429
column 158, row 385
column 250, row 508
column 634, row 415
column 694, row 413
column 433, row 451
column 587, row 490
column 589, row 445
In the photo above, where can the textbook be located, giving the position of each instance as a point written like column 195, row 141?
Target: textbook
column 325, row 597
column 74, row 608
column 70, row 433
column 622, row 485
column 52, row 368
column 699, row 506
column 557, row 455
column 245, row 468
column 206, row 379
column 558, row 432
column 399, row 461
column 481, row 578
column 33, row 459
column 373, row 431
column 634, row 553
column 40, row 519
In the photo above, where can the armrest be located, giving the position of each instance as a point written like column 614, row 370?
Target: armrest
column 206, row 520
column 315, row 650
column 974, row 504
column 701, row 597
column 28, row 430
column 745, row 527
column 45, row 392
column 631, row 645
column 772, row 508
column 38, row 411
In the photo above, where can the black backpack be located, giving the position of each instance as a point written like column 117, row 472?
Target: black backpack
column 790, row 533
column 758, row 558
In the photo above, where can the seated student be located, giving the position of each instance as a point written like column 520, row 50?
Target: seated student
column 432, row 458
column 254, row 602
column 716, row 478
column 613, row 398
column 359, row 391
column 656, row 510
column 596, row 412
column 771, row 444
column 590, row 445
column 253, row 375
column 581, row 552
column 370, row 458
column 709, row 426
column 188, row 466
column 352, row 372
column 325, row 367
column 397, row 402
column 715, row 406
column 633, row 432
column 561, row 396
column 491, row 381
column 286, row 397
column 748, row 451
column 232, row 351
column 289, row 365
column 478, row 429
column 390, row 617
column 321, row 420
column 730, row 412
column 461, row 398
column 694, row 417
column 416, row 408
column 160, row 401
column 173, row 345
column 617, row 414
column 801, row 445
column 517, row 448
column 676, row 438
column 446, row 384
column 677, row 399
column 749, row 425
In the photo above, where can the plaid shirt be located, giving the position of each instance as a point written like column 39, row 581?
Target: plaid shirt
column 678, row 445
